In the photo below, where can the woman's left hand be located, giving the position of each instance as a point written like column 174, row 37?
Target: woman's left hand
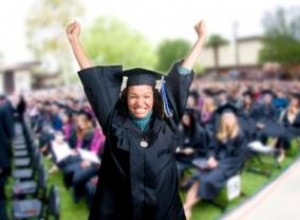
column 200, row 29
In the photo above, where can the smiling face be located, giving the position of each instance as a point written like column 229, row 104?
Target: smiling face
column 140, row 100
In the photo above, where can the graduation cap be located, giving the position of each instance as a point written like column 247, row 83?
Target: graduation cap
column 139, row 76
column 227, row 108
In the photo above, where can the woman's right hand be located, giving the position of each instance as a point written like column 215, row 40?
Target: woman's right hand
column 73, row 31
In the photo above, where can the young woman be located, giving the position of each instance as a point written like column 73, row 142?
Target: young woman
column 225, row 159
column 138, row 175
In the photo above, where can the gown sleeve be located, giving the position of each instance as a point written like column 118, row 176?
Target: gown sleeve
column 177, row 87
column 102, row 85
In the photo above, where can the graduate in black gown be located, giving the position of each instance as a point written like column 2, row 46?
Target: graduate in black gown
column 248, row 115
column 225, row 159
column 192, row 140
column 138, row 175
column 266, row 122
column 290, row 120
column 6, row 133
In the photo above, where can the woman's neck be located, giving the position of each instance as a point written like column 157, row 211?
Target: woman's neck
column 142, row 123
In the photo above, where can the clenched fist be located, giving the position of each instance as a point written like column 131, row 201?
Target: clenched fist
column 200, row 29
column 73, row 31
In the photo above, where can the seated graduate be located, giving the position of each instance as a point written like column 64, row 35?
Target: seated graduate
column 51, row 124
column 266, row 117
column 290, row 119
column 207, row 112
column 208, row 107
column 80, row 138
column 248, row 113
column 281, row 101
column 68, row 126
column 192, row 142
column 86, row 169
column 226, row 157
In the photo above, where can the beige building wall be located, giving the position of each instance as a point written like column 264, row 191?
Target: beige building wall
column 248, row 54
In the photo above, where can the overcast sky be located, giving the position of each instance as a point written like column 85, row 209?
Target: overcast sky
column 156, row 19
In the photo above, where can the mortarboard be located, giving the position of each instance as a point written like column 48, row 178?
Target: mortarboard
column 139, row 76
column 227, row 108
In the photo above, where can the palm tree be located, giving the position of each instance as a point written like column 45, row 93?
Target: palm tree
column 215, row 41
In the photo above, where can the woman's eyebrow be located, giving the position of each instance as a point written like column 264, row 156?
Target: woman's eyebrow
column 137, row 93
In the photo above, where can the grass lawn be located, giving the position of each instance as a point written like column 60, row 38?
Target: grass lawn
column 251, row 184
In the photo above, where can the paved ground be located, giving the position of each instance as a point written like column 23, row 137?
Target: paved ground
column 280, row 200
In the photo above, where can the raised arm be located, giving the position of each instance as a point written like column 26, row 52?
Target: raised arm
column 193, row 55
column 101, row 84
column 180, row 78
column 73, row 33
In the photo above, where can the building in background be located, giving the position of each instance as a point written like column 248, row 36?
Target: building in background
column 16, row 77
column 241, row 58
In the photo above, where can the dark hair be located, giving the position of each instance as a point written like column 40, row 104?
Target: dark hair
column 158, row 106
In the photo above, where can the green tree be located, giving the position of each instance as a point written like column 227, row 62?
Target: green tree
column 215, row 41
column 171, row 50
column 111, row 41
column 281, row 41
column 46, row 34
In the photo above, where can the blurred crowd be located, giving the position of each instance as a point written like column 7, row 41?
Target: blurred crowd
column 225, row 124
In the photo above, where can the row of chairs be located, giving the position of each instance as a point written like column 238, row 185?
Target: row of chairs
column 30, row 197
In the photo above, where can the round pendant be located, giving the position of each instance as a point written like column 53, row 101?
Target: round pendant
column 144, row 144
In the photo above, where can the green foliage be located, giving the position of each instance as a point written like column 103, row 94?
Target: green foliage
column 170, row 51
column 215, row 41
column 111, row 41
column 281, row 41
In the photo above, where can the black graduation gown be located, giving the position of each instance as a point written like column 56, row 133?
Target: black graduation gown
column 196, row 138
column 247, row 120
column 230, row 156
column 135, row 183
column 267, row 115
column 6, row 135
column 292, row 130
column 8, row 119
